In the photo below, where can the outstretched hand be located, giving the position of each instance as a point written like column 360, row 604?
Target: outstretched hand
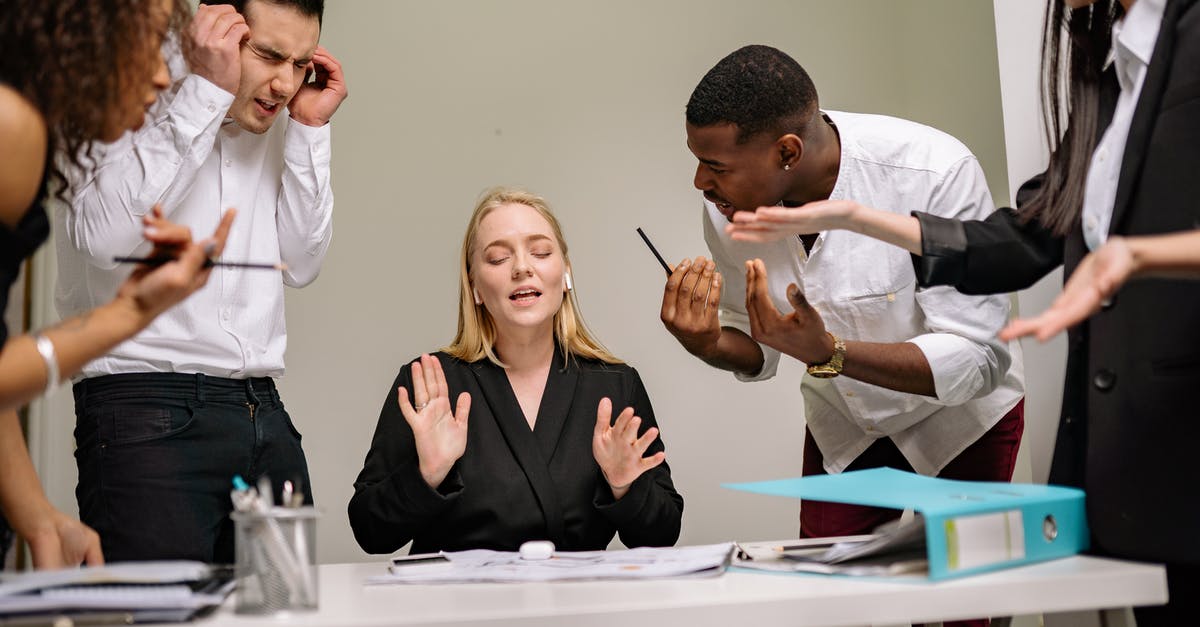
column 440, row 434
column 618, row 449
column 800, row 333
column 1096, row 279
column 771, row 224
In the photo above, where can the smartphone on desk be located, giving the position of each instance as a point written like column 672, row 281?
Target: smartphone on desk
column 420, row 559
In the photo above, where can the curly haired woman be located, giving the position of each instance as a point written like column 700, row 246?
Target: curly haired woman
column 73, row 72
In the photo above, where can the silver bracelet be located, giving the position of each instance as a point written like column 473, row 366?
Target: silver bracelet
column 46, row 348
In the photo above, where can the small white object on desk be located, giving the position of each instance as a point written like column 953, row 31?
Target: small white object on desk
column 537, row 550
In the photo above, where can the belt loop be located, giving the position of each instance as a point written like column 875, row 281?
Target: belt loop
column 200, row 387
column 250, row 391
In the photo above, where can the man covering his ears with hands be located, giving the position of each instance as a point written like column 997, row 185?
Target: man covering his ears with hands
column 166, row 419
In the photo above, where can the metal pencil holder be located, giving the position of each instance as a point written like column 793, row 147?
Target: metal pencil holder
column 276, row 560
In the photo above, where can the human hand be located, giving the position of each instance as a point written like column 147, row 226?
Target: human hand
column 440, row 435
column 770, row 224
column 800, row 333
column 212, row 45
column 152, row 289
column 315, row 103
column 59, row 541
column 690, row 302
column 618, row 449
column 1096, row 279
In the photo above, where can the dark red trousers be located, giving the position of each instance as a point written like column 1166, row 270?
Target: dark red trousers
column 990, row 458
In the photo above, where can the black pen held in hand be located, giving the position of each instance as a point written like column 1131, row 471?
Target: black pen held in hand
column 159, row 260
column 654, row 250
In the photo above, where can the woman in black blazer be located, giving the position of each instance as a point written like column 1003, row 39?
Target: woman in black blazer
column 531, row 450
column 1130, row 426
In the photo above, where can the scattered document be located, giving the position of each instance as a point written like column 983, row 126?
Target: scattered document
column 133, row 591
column 895, row 548
column 508, row 566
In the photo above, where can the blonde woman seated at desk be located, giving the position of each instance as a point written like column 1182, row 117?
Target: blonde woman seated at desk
column 550, row 436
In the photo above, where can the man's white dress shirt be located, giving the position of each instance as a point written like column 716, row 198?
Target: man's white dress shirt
column 196, row 163
column 866, row 290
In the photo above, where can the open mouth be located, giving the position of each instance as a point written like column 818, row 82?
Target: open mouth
column 524, row 295
column 266, row 106
column 722, row 206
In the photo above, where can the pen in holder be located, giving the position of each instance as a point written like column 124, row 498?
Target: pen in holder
column 275, row 549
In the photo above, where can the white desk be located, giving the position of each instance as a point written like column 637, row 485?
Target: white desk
column 736, row 599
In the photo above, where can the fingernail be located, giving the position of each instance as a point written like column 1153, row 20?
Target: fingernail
column 151, row 231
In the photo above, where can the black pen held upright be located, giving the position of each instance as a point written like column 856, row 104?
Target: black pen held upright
column 654, row 250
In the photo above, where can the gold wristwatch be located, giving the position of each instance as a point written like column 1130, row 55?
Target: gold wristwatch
column 833, row 367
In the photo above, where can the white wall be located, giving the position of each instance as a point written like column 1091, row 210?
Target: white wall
column 583, row 103
column 1018, row 39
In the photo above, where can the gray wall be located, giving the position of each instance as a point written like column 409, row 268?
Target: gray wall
column 582, row 103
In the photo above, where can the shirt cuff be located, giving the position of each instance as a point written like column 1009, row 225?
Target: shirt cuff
column 307, row 145
column 770, row 364
column 420, row 499
column 199, row 104
column 628, row 508
column 956, row 371
column 943, row 250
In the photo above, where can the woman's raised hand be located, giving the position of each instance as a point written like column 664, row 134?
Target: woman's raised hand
column 440, row 434
column 618, row 449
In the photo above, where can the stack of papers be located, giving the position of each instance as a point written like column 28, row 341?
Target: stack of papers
column 127, row 593
column 502, row 566
column 895, row 548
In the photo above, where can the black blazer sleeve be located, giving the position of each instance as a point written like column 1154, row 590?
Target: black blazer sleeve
column 650, row 513
column 989, row 256
column 391, row 501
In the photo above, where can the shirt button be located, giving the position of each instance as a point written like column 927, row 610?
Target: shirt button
column 212, row 107
column 1102, row 155
column 1104, row 380
column 1108, row 303
column 228, row 162
column 1089, row 223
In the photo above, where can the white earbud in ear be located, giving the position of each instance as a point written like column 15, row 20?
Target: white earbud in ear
column 567, row 281
column 475, row 293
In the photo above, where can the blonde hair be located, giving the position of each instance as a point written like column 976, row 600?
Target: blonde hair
column 476, row 337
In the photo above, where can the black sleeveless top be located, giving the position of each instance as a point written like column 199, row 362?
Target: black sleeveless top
column 18, row 244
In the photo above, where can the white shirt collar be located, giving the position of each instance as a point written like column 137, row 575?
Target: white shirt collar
column 1134, row 37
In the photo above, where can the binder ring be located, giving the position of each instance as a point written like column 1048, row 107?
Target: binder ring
column 1049, row 528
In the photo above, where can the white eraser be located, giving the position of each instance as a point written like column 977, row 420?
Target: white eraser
column 537, row 550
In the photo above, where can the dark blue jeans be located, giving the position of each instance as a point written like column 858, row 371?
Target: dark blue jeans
column 157, row 453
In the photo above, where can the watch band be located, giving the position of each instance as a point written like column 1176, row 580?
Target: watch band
column 833, row 367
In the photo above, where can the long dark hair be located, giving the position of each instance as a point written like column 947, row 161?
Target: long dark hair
column 1075, row 46
column 74, row 60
